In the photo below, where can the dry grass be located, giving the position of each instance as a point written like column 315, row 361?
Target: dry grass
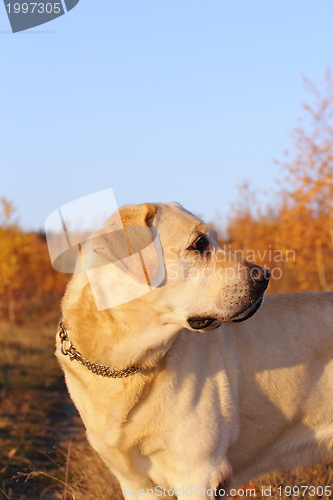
column 319, row 475
column 42, row 440
column 43, row 450
column 88, row 476
column 81, row 475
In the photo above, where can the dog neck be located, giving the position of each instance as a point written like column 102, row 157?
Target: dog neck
column 133, row 334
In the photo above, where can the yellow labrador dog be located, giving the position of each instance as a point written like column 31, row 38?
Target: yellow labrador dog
column 179, row 394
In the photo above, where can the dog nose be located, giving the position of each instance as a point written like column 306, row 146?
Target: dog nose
column 260, row 274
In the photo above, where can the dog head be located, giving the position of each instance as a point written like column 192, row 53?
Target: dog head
column 164, row 258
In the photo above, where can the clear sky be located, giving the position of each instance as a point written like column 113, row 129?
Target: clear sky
column 160, row 100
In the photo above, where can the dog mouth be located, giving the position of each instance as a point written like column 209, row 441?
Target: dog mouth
column 249, row 312
column 203, row 322
column 200, row 323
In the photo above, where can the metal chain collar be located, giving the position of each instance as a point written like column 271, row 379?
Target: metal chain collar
column 67, row 348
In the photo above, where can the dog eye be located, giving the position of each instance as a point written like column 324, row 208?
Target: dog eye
column 200, row 244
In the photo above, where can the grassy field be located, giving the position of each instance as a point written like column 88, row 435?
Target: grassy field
column 43, row 450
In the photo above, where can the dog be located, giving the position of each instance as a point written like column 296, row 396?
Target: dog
column 191, row 387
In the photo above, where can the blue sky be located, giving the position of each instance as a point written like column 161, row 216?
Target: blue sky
column 160, row 100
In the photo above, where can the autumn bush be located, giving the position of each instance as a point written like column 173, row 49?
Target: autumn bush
column 29, row 287
column 294, row 236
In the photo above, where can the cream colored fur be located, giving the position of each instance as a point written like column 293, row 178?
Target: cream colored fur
column 210, row 407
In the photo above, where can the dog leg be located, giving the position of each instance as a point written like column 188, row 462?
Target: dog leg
column 215, row 486
column 133, row 490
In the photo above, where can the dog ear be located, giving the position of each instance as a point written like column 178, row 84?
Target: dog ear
column 138, row 215
column 133, row 248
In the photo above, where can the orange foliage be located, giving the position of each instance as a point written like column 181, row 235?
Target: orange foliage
column 295, row 240
column 28, row 284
